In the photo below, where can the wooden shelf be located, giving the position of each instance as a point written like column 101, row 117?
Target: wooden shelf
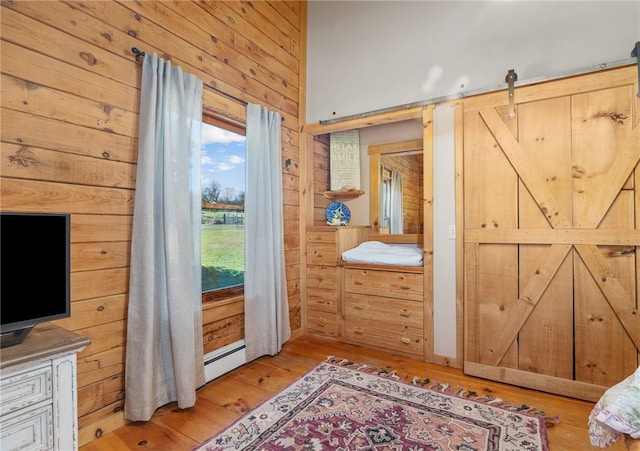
column 343, row 194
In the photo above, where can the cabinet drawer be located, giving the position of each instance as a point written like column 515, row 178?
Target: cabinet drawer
column 384, row 310
column 321, row 322
column 323, row 300
column 320, row 277
column 402, row 285
column 24, row 389
column 30, row 430
column 324, row 236
column 320, row 254
column 394, row 337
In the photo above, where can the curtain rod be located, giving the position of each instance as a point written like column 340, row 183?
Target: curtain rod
column 139, row 53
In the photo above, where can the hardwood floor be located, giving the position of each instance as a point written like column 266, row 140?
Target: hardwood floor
column 225, row 399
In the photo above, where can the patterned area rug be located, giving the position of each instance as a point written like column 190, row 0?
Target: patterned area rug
column 340, row 405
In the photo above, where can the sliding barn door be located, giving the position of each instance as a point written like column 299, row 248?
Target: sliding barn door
column 552, row 234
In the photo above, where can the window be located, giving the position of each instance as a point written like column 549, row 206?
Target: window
column 222, row 223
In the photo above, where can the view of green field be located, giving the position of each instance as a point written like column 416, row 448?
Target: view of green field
column 222, row 255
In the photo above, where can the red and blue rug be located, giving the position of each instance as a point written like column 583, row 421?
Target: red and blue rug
column 340, row 405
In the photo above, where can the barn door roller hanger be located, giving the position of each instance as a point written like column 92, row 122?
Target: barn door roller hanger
column 511, row 78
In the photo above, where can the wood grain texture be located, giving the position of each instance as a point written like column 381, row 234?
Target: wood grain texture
column 552, row 259
column 69, row 112
column 226, row 399
column 322, row 310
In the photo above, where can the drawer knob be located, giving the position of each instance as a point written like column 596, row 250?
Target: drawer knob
column 321, row 322
column 405, row 340
column 358, row 307
column 358, row 331
column 404, row 312
column 357, row 282
column 405, row 287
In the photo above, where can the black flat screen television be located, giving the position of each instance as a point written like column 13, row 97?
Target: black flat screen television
column 34, row 272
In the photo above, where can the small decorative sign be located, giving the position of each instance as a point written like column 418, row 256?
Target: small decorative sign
column 344, row 153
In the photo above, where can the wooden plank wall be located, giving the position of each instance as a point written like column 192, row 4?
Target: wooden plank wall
column 70, row 94
column 321, row 179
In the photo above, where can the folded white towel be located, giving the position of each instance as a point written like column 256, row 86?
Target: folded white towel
column 376, row 252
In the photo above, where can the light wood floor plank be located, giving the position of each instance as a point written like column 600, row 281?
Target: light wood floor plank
column 227, row 398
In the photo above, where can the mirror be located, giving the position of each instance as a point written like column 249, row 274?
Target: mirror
column 396, row 187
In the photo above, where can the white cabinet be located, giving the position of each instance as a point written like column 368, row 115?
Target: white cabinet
column 38, row 399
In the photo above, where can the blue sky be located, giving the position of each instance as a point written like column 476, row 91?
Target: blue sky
column 222, row 158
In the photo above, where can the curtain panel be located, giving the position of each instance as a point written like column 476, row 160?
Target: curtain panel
column 396, row 204
column 265, row 285
column 164, row 361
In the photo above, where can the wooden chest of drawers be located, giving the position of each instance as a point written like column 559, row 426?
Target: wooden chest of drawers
column 376, row 306
column 323, row 301
column 384, row 308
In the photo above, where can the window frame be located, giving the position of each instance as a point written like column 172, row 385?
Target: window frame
column 208, row 117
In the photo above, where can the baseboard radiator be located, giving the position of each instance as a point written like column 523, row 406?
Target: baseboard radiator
column 223, row 360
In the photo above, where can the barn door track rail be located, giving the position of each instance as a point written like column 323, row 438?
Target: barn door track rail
column 635, row 58
column 636, row 53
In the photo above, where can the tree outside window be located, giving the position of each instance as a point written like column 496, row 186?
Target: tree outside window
column 222, row 220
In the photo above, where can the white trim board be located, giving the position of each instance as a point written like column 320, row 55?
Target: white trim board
column 223, row 360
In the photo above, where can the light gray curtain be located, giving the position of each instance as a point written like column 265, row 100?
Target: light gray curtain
column 395, row 201
column 384, row 199
column 265, row 286
column 164, row 361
